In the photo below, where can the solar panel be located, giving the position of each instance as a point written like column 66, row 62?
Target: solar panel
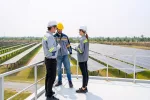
column 18, row 57
column 139, row 61
column 127, row 68
column 16, row 50
column 38, row 58
column 121, row 51
column 12, row 47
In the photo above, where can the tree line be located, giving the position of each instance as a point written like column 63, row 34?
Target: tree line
column 137, row 41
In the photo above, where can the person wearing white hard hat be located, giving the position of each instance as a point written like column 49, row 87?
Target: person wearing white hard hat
column 83, row 54
column 50, row 51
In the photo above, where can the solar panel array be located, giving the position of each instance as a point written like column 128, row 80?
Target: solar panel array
column 16, row 50
column 18, row 57
column 124, row 54
column 127, row 68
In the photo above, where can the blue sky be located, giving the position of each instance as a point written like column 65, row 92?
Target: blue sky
column 113, row 18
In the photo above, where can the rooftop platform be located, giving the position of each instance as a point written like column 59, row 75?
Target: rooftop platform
column 103, row 90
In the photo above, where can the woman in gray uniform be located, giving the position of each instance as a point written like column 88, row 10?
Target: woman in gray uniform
column 83, row 54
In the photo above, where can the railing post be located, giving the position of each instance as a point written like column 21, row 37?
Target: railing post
column 1, row 88
column 134, row 76
column 35, row 80
column 107, row 68
column 77, row 67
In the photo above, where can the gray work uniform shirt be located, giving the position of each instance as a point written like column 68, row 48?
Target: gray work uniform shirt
column 49, row 46
column 64, row 42
column 83, row 49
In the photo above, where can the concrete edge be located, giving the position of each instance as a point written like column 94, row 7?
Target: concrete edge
column 39, row 93
column 42, row 89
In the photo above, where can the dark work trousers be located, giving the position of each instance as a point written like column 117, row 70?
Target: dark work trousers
column 51, row 65
column 84, row 71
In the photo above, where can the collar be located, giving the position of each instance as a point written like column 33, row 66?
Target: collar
column 49, row 32
column 83, row 36
column 60, row 35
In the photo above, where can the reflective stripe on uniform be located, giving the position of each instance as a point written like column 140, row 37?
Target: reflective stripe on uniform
column 45, row 38
column 58, row 39
column 64, row 39
column 51, row 49
column 79, row 50
column 85, row 41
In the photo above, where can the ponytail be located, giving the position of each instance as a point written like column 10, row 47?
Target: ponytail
column 86, row 35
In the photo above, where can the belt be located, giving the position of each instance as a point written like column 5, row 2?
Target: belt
column 50, row 58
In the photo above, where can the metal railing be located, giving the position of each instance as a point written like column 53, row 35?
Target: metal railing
column 2, row 76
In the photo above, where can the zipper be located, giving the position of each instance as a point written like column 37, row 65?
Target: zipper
column 60, row 44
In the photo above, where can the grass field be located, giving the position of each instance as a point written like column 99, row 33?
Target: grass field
column 8, row 93
column 138, row 47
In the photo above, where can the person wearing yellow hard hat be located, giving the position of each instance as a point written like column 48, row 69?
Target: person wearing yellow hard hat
column 60, row 26
column 62, row 57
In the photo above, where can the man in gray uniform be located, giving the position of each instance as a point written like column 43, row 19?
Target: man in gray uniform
column 62, row 56
column 50, row 51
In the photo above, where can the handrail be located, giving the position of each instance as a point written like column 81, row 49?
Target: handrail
column 17, row 70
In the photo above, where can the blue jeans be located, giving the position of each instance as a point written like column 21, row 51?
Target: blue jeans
column 65, row 60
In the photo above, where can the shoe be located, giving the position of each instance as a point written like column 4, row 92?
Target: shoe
column 70, row 84
column 81, row 90
column 59, row 83
column 52, row 94
column 86, row 89
column 52, row 98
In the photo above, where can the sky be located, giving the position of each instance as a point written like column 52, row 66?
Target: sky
column 104, row 18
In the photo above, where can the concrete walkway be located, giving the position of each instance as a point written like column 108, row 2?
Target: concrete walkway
column 19, row 86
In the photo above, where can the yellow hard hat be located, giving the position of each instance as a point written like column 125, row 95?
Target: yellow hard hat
column 60, row 26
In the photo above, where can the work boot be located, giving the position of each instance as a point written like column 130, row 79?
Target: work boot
column 59, row 83
column 52, row 93
column 52, row 98
column 70, row 84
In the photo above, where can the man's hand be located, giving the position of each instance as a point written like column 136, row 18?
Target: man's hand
column 76, row 48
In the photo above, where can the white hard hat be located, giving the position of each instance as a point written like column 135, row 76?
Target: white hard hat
column 84, row 28
column 52, row 23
